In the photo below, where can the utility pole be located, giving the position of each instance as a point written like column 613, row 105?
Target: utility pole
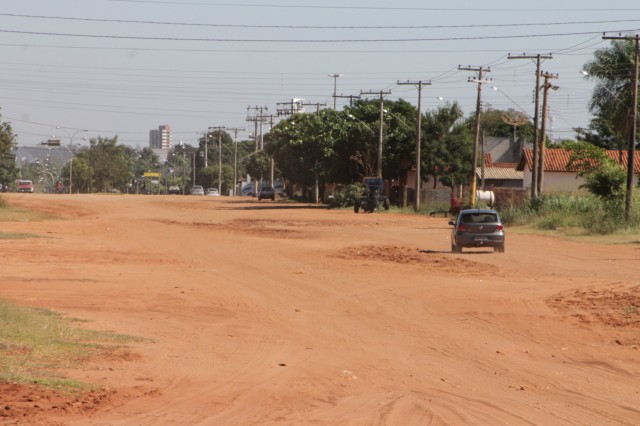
column 256, row 118
column 536, row 119
column 631, row 154
column 317, row 105
column 235, row 131
column 350, row 97
column 219, row 129
column 335, row 80
column 545, row 106
column 476, row 135
column 380, row 134
column 418, row 83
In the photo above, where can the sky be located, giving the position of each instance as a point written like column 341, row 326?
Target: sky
column 124, row 67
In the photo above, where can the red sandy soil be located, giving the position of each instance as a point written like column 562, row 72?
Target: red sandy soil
column 275, row 313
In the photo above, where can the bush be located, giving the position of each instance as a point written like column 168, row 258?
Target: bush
column 594, row 214
column 346, row 196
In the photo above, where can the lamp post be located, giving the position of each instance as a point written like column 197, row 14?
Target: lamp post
column 71, row 137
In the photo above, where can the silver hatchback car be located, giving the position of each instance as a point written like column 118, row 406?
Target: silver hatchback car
column 477, row 228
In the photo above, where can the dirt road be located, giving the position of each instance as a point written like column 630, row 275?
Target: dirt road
column 273, row 313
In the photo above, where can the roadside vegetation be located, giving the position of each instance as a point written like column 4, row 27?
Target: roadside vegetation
column 35, row 343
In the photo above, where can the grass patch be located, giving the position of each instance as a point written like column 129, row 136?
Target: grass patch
column 9, row 213
column 36, row 343
column 8, row 236
column 577, row 216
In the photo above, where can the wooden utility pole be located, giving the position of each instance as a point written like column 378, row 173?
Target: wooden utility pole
column 235, row 156
column 335, row 83
column 631, row 151
column 536, row 118
column 380, row 134
column 418, row 83
column 545, row 110
column 219, row 129
column 350, row 97
column 476, row 135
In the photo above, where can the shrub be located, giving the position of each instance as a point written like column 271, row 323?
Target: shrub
column 346, row 196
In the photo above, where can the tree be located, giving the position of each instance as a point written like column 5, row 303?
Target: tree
column 448, row 146
column 259, row 165
column 612, row 69
column 8, row 168
column 302, row 146
column 604, row 177
column 496, row 123
column 110, row 164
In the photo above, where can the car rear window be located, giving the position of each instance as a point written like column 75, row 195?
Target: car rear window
column 479, row 218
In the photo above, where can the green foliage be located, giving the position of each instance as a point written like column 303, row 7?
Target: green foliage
column 493, row 123
column 35, row 341
column 611, row 69
column 592, row 214
column 259, row 165
column 603, row 176
column 347, row 195
column 447, row 146
column 8, row 168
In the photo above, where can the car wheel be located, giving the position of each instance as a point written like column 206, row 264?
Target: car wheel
column 455, row 248
column 499, row 249
column 356, row 207
column 386, row 204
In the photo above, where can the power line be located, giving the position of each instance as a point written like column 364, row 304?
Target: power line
column 321, row 27
column 429, row 9
column 293, row 41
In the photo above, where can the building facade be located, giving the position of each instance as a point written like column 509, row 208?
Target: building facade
column 160, row 138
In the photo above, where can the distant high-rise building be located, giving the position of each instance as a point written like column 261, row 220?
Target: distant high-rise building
column 160, row 138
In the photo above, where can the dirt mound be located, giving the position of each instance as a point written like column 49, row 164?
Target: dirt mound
column 406, row 256
column 37, row 405
column 618, row 306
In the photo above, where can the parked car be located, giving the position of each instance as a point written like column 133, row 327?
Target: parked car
column 197, row 190
column 477, row 228
column 213, row 192
column 247, row 189
column 174, row 189
column 25, row 185
column 266, row 191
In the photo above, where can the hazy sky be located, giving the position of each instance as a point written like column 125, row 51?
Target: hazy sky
column 124, row 67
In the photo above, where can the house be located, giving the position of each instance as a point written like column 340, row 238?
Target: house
column 498, row 175
column 558, row 177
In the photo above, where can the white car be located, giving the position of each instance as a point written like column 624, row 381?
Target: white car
column 197, row 190
column 213, row 192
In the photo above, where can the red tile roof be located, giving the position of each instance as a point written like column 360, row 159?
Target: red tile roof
column 556, row 160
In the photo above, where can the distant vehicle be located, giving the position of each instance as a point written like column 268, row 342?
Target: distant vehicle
column 278, row 186
column 373, row 196
column 266, row 191
column 477, row 228
column 174, row 189
column 247, row 190
column 197, row 190
column 213, row 192
column 25, row 185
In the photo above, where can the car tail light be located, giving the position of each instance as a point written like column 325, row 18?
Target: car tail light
column 499, row 227
column 461, row 228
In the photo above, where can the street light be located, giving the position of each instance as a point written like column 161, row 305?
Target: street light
column 71, row 137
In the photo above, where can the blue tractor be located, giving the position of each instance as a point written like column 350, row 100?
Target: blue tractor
column 373, row 196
